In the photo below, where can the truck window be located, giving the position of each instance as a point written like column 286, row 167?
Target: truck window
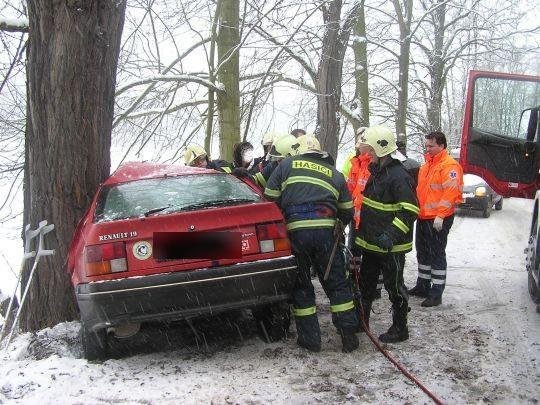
column 500, row 141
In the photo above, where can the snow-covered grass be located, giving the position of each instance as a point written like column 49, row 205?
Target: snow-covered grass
column 481, row 345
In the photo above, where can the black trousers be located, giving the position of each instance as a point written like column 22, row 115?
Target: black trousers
column 313, row 247
column 391, row 265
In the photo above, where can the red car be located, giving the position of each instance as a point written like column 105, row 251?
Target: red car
column 166, row 242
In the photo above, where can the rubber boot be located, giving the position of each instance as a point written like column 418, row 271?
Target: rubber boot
column 421, row 289
column 349, row 341
column 398, row 332
column 434, row 298
column 309, row 333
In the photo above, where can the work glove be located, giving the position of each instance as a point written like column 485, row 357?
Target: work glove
column 385, row 242
column 438, row 223
column 240, row 172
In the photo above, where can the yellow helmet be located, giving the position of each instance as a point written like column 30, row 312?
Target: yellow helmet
column 380, row 138
column 286, row 145
column 193, row 151
column 308, row 143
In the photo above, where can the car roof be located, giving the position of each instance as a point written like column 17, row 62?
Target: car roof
column 130, row 171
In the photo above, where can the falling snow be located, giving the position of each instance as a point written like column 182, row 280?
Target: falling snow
column 481, row 345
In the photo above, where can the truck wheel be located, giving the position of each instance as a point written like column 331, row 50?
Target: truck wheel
column 94, row 344
column 273, row 321
column 499, row 204
column 534, row 291
column 533, row 263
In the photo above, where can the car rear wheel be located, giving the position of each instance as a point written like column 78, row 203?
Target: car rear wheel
column 487, row 211
column 499, row 204
column 94, row 343
column 273, row 321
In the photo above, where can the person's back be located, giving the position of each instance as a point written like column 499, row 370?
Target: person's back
column 312, row 181
column 313, row 195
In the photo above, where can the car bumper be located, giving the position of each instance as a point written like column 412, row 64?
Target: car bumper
column 474, row 203
column 185, row 294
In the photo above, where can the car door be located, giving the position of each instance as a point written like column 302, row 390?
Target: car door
column 501, row 138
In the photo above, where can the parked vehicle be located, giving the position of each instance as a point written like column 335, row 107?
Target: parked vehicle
column 165, row 242
column 501, row 143
column 479, row 196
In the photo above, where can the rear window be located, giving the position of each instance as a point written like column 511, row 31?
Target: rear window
column 171, row 194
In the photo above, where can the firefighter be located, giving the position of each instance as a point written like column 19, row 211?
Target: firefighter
column 356, row 172
column 196, row 156
column 281, row 148
column 440, row 186
column 314, row 199
column 412, row 166
column 266, row 142
column 389, row 209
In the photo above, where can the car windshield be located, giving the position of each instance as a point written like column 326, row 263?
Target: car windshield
column 171, row 194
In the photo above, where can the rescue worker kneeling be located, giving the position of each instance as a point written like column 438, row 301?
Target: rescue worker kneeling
column 389, row 209
column 313, row 195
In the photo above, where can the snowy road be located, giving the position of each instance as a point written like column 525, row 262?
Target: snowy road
column 481, row 345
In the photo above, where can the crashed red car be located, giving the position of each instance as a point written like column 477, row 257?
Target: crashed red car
column 166, row 242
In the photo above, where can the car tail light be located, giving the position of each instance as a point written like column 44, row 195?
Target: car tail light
column 105, row 259
column 273, row 237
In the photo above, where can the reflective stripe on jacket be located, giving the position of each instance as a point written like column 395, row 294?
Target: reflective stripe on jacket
column 389, row 206
column 310, row 180
column 440, row 186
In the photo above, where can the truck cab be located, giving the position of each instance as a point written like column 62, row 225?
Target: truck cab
column 501, row 143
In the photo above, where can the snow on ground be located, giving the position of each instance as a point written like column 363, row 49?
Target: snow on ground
column 481, row 346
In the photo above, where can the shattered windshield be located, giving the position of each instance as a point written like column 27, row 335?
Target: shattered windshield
column 171, row 194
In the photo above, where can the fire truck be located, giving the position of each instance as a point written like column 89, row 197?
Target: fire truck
column 501, row 143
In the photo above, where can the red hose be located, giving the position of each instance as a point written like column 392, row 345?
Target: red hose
column 396, row 363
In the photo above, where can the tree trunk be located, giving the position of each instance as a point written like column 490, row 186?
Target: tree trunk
column 361, row 95
column 72, row 57
column 211, row 78
column 436, row 69
column 404, row 16
column 329, row 77
column 228, row 73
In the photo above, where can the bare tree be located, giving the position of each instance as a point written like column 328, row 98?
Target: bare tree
column 359, row 45
column 228, row 44
column 336, row 38
column 72, row 58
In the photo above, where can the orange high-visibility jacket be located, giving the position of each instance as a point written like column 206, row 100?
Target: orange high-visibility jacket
column 356, row 182
column 440, row 186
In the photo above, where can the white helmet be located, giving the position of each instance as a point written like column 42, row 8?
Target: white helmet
column 380, row 138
